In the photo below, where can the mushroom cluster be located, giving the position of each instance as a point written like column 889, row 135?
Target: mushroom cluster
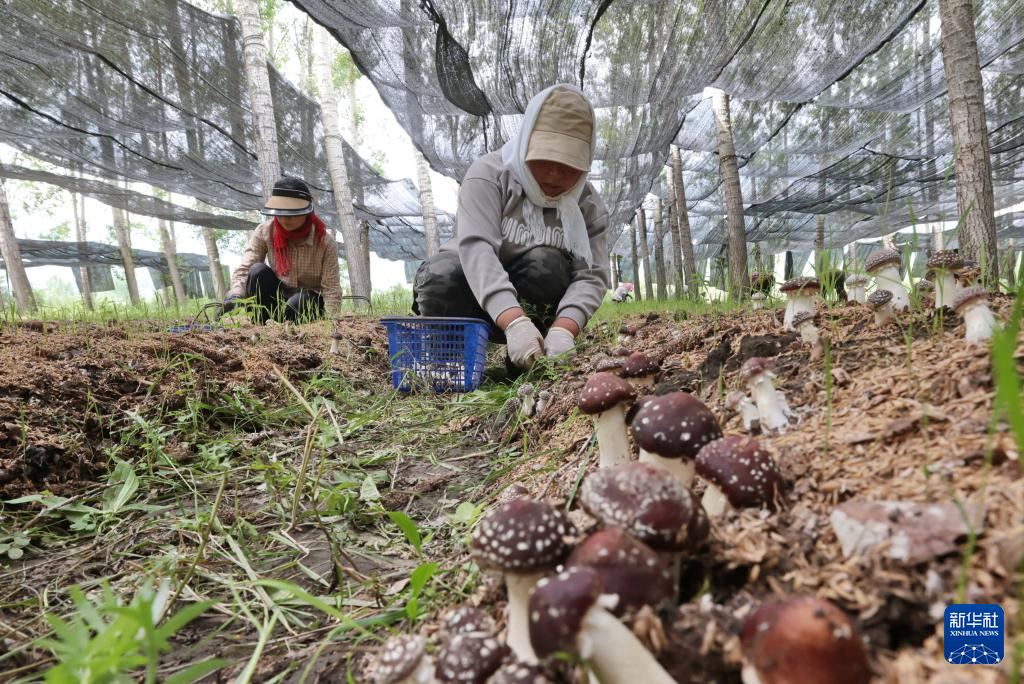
column 856, row 285
column 942, row 268
column 971, row 304
column 801, row 294
column 884, row 266
column 880, row 302
column 772, row 409
column 670, row 430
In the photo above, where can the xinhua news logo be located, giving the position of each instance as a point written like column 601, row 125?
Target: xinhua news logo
column 974, row 634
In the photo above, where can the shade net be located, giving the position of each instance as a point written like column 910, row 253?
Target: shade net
column 154, row 92
column 837, row 108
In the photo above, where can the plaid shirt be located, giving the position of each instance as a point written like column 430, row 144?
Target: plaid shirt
column 313, row 268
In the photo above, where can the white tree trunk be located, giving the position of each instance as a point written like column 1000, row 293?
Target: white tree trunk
column 673, row 227
column 683, row 220
column 359, row 278
column 645, row 255
column 659, row 250
column 970, row 135
column 20, row 287
column 171, row 256
column 427, row 204
column 636, row 264
column 216, row 270
column 739, row 280
column 124, row 242
column 78, row 207
column 262, row 103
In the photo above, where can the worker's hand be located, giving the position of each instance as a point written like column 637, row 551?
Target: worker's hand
column 559, row 341
column 524, row 341
column 229, row 304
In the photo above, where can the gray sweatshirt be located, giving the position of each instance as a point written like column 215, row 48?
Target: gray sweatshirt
column 490, row 233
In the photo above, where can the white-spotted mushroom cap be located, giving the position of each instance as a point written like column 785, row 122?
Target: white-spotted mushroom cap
column 803, row 317
column 603, row 391
column 544, row 395
column 968, row 273
column 648, row 502
column 746, row 473
column 621, row 351
column 879, row 298
column 759, row 296
column 467, row 618
column 947, row 260
column 734, row 399
column 628, row 569
column 674, row 425
column 804, row 640
column 520, row 673
column 925, row 285
column 627, row 329
column 639, row 365
column 880, row 259
column 800, row 286
column 968, row 296
column 524, row 390
column 399, row 658
column 557, row 608
column 856, row 280
column 470, row 658
column 522, row 536
column 754, row 366
column 609, row 364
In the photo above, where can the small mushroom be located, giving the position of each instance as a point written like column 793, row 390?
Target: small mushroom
column 801, row 294
column 567, row 613
column 738, row 401
column 605, row 397
column 757, row 301
column 627, row 331
column 524, row 540
column 335, row 343
column 526, row 400
column 968, row 274
column 670, row 430
column 772, row 410
column 884, row 265
column 621, row 351
column 609, row 364
column 403, row 660
column 739, row 474
column 972, row 305
column 519, row 673
column 543, row 399
column 628, row 568
column 804, row 323
column 640, row 370
column 470, row 658
column 467, row 618
column 803, row 640
column 880, row 302
column 942, row 266
column 855, row 285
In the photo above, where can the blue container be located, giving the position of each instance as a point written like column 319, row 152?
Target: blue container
column 439, row 354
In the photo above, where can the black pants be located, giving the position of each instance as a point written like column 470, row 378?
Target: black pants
column 271, row 299
column 541, row 276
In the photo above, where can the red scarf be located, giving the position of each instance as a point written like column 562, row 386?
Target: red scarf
column 282, row 237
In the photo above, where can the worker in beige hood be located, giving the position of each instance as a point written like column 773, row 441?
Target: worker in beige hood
column 529, row 252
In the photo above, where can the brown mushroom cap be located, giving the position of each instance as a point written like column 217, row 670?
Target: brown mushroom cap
column 674, row 425
column 804, row 317
column 968, row 296
column 638, row 365
column 467, row 618
column 336, row 335
column 627, row 329
column 857, row 281
column 759, row 296
column 522, row 535
column 754, row 366
column 519, row 673
column 557, row 608
column 746, row 474
column 609, row 364
column 621, row 351
column 470, row 658
column 804, row 640
column 646, row 501
column 800, row 286
column 945, row 260
column 628, row 569
column 883, row 257
column 603, row 391
column 925, row 285
column 398, row 658
column 879, row 298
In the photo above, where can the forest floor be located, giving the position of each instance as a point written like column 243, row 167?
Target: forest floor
column 131, row 457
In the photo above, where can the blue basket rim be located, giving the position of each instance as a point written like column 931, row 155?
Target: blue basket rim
column 431, row 319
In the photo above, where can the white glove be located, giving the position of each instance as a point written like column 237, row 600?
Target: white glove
column 559, row 341
column 524, row 342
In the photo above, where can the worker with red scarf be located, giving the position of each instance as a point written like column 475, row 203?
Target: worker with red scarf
column 289, row 271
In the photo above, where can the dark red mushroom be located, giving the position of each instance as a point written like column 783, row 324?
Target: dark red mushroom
column 671, row 429
column 629, row 570
column 738, row 473
column 470, row 658
column 605, row 397
column 403, row 660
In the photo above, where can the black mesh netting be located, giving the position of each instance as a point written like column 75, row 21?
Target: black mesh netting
column 838, row 108
column 153, row 91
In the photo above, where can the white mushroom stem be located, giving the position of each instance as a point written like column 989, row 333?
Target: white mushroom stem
column 946, row 290
column 518, row 586
column 809, row 333
column 541, row 405
column 883, row 314
column 526, row 405
column 612, row 441
column 748, row 412
column 682, row 468
column 756, row 304
column 796, row 303
column 979, row 322
column 856, row 294
column 623, row 339
column 772, row 409
column 888, row 278
column 335, row 348
column 714, row 502
column 614, row 654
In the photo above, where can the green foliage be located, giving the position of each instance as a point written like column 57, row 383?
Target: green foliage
column 61, row 231
column 13, row 546
column 409, row 529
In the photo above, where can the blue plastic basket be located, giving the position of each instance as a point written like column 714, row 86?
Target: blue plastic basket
column 439, row 354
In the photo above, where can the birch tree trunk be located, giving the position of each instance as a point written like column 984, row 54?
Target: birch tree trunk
column 364, row 253
column 124, row 242
column 171, row 256
column 78, row 207
column 645, row 253
column 358, row 275
column 20, row 287
column 636, row 264
column 264, row 123
column 819, row 243
column 683, row 220
column 427, row 204
column 659, row 250
column 216, row 269
column 739, row 280
column 970, row 135
column 673, row 225
column 614, row 266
